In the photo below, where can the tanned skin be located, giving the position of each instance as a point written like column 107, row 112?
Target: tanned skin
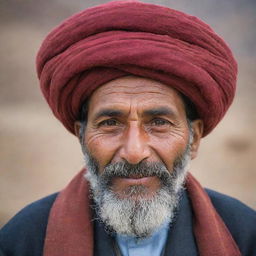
column 137, row 119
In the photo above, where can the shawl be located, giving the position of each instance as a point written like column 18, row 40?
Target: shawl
column 124, row 38
column 70, row 229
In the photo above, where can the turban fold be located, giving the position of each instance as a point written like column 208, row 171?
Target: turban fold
column 123, row 38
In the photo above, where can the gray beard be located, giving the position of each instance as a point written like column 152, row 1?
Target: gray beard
column 142, row 216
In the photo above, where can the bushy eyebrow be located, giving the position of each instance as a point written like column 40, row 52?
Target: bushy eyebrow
column 158, row 111
column 108, row 112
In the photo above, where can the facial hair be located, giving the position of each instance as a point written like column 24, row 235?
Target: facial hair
column 142, row 216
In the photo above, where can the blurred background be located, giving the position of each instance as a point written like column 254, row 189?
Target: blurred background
column 38, row 156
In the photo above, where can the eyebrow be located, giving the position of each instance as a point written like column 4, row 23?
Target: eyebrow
column 108, row 112
column 158, row 111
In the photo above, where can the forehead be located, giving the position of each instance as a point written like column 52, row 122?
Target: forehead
column 137, row 91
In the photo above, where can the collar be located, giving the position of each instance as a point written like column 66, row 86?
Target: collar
column 152, row 245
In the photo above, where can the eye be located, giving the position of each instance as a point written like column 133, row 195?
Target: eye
column 160, row 122
column 108, row 122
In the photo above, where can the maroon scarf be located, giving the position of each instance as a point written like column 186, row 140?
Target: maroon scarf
column 70, row 229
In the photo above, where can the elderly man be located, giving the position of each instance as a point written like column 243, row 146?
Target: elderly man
column 139, row 85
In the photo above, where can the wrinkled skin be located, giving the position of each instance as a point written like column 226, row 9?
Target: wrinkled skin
column 136, row 119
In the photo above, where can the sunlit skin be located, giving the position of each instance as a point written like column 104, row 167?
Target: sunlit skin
column 137, row 119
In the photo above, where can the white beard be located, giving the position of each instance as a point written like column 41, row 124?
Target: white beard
column 143, row 216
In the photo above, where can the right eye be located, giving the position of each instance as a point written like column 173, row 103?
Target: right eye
column 108, row 122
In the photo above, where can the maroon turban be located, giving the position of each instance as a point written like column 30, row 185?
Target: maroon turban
column 124, row 38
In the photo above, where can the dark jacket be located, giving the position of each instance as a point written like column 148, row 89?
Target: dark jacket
column 24, row 234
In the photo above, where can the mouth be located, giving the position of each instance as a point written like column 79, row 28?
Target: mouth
column 135, row 180
column 121, row 185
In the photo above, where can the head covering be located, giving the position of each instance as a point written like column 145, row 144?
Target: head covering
column 123, row 38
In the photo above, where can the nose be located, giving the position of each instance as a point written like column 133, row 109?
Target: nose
column 135, row 146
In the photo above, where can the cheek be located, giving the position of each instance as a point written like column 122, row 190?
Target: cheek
column 101, row 148
column 169, row 149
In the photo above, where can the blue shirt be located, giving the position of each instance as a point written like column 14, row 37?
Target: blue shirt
column 153, row 245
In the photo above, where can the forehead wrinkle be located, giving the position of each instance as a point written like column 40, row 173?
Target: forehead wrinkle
column 134, row 86
column 139, row 105
column 129, row 93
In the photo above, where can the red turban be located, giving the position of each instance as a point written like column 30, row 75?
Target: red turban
column 123, row 38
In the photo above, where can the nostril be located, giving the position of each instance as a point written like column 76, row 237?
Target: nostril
column 134, row 157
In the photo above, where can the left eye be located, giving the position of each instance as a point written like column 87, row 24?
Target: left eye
column 160, row 122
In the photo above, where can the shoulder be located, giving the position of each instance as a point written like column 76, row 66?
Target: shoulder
column 239, row 219
column 24, row 233
column 227, row 205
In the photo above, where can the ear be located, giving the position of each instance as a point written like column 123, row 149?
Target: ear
column 198, row 128
column 77, row 127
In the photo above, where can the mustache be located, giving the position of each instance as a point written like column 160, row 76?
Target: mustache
column 140, row 170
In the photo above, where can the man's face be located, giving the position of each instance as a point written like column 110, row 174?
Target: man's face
column 137, row 145
column 136, row 120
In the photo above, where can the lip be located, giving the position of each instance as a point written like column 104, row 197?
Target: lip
column 121, row 186
column 133, row 181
